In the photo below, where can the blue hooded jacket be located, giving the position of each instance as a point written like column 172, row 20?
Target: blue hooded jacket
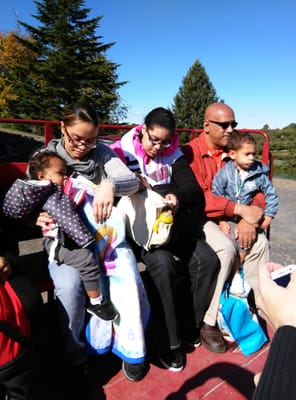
column 227, row 182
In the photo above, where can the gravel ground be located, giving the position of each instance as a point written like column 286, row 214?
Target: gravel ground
column 282, row 233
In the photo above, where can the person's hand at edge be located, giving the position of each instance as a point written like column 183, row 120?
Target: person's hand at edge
column 5, row 268
column 276, row 303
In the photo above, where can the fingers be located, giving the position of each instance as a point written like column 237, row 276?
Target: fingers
column 172, row 200
column 275, row 303
column 265, row 270
column 257, row 378
column 44, row 219
column 102, row 212
column 292, row 283
column 103, row 202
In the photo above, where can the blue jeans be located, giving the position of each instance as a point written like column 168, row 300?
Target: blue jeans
column 71, row 305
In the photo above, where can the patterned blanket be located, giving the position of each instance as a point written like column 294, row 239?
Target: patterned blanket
column 121, row 281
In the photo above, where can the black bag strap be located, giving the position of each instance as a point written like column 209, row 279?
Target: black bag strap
column 13, row 333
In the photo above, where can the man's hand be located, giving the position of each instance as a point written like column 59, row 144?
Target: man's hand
column 246, row 234
column 251, row 214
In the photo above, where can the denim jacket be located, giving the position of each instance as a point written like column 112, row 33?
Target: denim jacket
column 227, row 183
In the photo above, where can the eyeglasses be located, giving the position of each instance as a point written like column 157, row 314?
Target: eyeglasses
column 77, row 142
column 157, row 142
column 226, row 124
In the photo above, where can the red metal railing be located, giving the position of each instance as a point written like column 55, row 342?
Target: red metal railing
column 11, row 170
column 48, row 134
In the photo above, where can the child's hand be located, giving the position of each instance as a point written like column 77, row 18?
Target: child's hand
column 266, row 222
column 44, row 219
column 225, row 227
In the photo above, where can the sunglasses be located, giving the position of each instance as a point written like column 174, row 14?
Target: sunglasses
column 226, row 124
column 157, row 142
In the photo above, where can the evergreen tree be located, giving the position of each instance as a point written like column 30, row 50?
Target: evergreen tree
column 70, row 65
column 193, row 97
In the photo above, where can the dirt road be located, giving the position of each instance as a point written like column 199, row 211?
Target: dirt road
column 283, row 229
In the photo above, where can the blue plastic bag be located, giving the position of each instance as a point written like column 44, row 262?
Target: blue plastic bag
column 242, row 323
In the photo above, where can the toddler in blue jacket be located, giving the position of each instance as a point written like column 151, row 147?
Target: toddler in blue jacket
column 240, row 180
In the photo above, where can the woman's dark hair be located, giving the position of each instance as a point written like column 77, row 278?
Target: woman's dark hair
column 40, row 161
column 162, row 117
column 81, row 112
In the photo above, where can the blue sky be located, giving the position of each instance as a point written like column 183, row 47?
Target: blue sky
column 247, row 47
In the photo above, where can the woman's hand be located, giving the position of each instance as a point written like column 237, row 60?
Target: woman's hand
column 143, row 183
column 103, row 201
column 172, row 201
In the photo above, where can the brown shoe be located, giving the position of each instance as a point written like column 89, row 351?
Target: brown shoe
column 212, row 339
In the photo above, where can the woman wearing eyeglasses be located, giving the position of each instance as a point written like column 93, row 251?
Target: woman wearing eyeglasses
column 152, row 151
column 83, row 154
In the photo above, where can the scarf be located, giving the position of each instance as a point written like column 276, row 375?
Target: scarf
column 139, row 150
column 158, row 170
column 88, row 166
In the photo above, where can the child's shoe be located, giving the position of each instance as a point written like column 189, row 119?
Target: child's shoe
column 104, row 310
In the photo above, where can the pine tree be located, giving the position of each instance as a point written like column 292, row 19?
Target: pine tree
column 193, row 97
column 70, row 65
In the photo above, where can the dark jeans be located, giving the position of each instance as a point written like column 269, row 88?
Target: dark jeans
column 203, row 268
column 183, row 284
column 32, row 302
column 19, row 377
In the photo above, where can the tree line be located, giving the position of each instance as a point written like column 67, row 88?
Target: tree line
column 283, row 147
column 62, row 60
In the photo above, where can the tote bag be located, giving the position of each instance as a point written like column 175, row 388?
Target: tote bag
column 149, row 220
column 236, row 317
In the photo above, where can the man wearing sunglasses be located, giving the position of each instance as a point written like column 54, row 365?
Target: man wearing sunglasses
column 206, row 155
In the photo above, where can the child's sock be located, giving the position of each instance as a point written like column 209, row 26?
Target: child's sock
column 96, row 300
